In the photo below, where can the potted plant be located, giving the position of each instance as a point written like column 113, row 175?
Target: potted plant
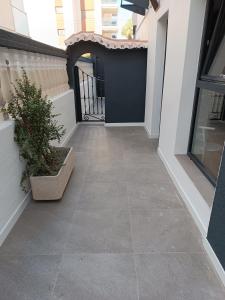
column 48, row 168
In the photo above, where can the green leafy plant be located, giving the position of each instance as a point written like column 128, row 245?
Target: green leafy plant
column 35, row 128
column 127, row 29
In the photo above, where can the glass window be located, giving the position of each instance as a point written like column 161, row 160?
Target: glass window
column 214, row 48
column 209, row 131
column 208, row 127
column 217, row 67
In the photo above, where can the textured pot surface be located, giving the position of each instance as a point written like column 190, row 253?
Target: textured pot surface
column 52, row 187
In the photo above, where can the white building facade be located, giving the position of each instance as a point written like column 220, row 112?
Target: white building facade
column 43, row 22
column 13, row 16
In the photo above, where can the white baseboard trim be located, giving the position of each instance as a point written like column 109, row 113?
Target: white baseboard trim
column 151, row 136
column 183, row 195
column 124, row 124
column 69, row 135
column 14, row 217
column 90, row 123
column 214, row 260
column 211, row 254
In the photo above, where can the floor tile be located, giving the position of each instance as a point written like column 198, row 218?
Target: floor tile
column 37, row 232
column 82, row 145
column 134, row 159
column 96, row 277
column 106, row 173
column 126, row 131
column 177, row 277
column 62, row 209
column 100, row 195
column 120, row 231
column 153, row 196
column 28, row 277
column 163, row 231
column 146, row 174
column 99, row 231
column 99, row 159
column 140, row 145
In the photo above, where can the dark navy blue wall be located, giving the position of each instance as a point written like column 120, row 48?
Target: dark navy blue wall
column 216, row 232
column 125, row 79
column 125, row 83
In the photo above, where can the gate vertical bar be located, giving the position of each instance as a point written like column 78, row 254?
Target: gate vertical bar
column 89, row 103
column 97, row 95
column 101, row 98
column 84, row 98
column 77, row 94
column 93, row 95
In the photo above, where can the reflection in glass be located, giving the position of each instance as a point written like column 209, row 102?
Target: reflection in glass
column 209, row 131
column 217, row 67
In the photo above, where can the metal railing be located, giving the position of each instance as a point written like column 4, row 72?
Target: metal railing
column 92, row 97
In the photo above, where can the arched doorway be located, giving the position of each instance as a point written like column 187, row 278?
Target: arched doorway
column 90, row 88
column 125, row 64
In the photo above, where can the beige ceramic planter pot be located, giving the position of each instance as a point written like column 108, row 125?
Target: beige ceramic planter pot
column 52, row 187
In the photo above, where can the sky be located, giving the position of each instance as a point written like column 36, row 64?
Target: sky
column 123, row 16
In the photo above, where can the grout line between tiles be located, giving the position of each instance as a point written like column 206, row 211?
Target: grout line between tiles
column 132, row 245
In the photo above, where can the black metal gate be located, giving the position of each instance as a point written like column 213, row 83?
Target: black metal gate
column 90, row 96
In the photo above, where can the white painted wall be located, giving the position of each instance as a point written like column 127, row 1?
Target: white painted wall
column 42, row 21
column 142, row 29
column 12, row 199
column 65, row 106
column 155, row 76
column 185, row 25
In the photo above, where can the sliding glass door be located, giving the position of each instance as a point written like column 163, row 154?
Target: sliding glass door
column 208, row 125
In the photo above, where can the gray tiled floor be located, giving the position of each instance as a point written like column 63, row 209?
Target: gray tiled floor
column 120, row 232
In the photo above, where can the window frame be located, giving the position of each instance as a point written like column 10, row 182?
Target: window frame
column 207, row 82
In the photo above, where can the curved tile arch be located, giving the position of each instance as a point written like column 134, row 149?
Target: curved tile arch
column 104, row 41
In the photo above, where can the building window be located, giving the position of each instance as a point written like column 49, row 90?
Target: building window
column 114, row 36
column 109, row 2
column 208, row 125
column 59, row 9
column 61, row 32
